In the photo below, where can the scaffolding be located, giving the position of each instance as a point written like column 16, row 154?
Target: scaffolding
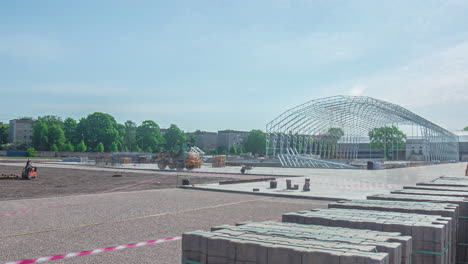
column 328, row 132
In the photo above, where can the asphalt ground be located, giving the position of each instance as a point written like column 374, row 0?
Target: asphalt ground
column 60, row 225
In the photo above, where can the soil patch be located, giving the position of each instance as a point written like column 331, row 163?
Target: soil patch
column 53, row 182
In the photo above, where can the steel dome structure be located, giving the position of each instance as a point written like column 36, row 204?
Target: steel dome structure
column 327, row 132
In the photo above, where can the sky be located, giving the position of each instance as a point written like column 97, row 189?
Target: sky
column 217, row 64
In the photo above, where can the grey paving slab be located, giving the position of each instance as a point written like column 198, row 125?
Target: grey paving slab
column 430, row 233
column 462, row 202
column 441, row 209
column 285, row 243
column 342, row 184
column 175, row 211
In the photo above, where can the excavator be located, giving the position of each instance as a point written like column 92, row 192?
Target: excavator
column 29, row 172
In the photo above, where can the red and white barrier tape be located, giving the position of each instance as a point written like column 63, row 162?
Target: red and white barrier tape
column 357, row 185
column 95, row 251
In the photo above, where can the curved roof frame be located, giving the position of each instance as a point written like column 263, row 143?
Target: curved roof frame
column 356, row 116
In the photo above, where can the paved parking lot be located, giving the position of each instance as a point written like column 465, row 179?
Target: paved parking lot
column 32, row 228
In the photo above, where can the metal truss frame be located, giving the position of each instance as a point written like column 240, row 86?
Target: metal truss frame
column 326, row 132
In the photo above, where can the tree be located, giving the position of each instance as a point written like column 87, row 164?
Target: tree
column 149, row 135
column 240, row 150
column 389, row 138
column 3, row 133
column 31, row 152
column 51, row 120
column 69, row 129
column 149, row 149
column 54, row 148
column 256, row 142
column 99, row 147
column 129, row 138
column 465, row 129
column 114, row 147
column 99, row 128
column 221, row 150
column 330, row 141
column 68, row 147
column 56, row 136
column 191, row 139
column 81, row 147
column 173, row 137
column 40, row 138
column 233, row 150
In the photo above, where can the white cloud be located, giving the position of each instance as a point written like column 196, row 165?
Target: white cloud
column 438, row 81
column 357, row 90
column 441, row 78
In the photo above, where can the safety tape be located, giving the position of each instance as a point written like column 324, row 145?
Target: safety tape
column 374, row 185
column 95, row 251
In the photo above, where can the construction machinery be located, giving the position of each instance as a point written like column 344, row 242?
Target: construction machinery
column 29, row 172
column 181, row 157
column 245, row 168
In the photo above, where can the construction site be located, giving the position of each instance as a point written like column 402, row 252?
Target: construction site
column 316, row 197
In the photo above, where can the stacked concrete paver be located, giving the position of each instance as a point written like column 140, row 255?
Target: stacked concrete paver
column 448, row 181
column 432, row 192
column 441, row 209
column 431, row 234
column 397, row 246
column 280, row 243
column 423, row 224
column 462, row 236
column 437, row 188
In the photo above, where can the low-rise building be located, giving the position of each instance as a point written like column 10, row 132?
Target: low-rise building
column 229, row 138
column 205, row 140
column 20, row 130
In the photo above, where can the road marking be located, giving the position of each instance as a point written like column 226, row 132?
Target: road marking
column 95, row 251
column 133, row 218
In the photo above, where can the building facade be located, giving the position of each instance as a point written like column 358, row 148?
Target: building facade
column 20, row 130
column 206, row 141
column 229, row 138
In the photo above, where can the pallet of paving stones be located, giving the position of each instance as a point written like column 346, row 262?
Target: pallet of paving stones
column 447, row 181
column 279, row 243
column 462, row 233
column 9, row 176
column 463, row 221
column 397, row 246
column 431, row 234
column 441, row 209
column 431, row 192
column 437, row 188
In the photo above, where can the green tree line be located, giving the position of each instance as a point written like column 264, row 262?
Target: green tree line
column 100, row 132
column 3, row 133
